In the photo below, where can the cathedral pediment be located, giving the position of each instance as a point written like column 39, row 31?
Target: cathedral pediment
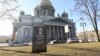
column 56, row 21
column 59, row 20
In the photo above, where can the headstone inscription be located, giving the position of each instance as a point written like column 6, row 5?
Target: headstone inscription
column 39, row 43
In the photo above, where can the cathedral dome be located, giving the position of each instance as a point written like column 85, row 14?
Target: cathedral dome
column 45, row 8
column 46, row 4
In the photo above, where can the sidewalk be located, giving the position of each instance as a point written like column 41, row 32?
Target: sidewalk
column 3, row 44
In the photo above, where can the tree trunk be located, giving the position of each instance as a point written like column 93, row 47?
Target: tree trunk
column 14, row 34
column 97, row 32
column 96, row 26
column 97, row 35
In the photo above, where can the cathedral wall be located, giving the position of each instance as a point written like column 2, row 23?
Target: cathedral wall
column 27, row 20
column 25, row 33
column 38, row 20
column 19, row 34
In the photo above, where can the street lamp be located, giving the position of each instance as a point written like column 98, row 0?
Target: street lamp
column 83, row 24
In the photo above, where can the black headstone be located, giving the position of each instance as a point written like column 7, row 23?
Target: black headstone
column 39, row 43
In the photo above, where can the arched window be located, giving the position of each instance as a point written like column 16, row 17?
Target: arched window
column 20, row 19
column 44, row 12
column 37, row 13
column 50, row 12
column 26, row 33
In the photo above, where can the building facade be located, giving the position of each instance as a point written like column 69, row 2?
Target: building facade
column 44, row 14
column 90, row 36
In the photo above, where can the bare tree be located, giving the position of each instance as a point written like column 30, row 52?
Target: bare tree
column 7, row 7
column 91, row 10
column 7, row 10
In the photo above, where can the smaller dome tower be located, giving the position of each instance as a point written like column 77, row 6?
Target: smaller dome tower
column 65, row 15
column 22, row 13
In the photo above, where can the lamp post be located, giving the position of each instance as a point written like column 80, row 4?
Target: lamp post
column 83, row 24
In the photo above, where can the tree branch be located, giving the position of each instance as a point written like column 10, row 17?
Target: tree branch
column 8, row 11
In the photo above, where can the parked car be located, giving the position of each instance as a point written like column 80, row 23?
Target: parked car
column 26, row 43
column 30, row 43
column 16, row 44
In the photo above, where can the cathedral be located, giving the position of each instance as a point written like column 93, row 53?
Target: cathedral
column 58, row 28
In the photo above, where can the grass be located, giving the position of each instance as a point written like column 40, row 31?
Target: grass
column 73, row 49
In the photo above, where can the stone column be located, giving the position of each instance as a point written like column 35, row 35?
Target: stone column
column 72, row 35
column 52, row 37
column 46, row 12
column 58, row 33
column 70, row 32
column 54, row 32
column 42, row 12
column 49, row 33
column 61, row 33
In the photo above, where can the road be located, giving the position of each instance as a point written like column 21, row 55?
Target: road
column 3, row 44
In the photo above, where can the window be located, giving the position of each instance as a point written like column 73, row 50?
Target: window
column 26, row 33
column 20, row 19
column 44, row 13
column 37, row 13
